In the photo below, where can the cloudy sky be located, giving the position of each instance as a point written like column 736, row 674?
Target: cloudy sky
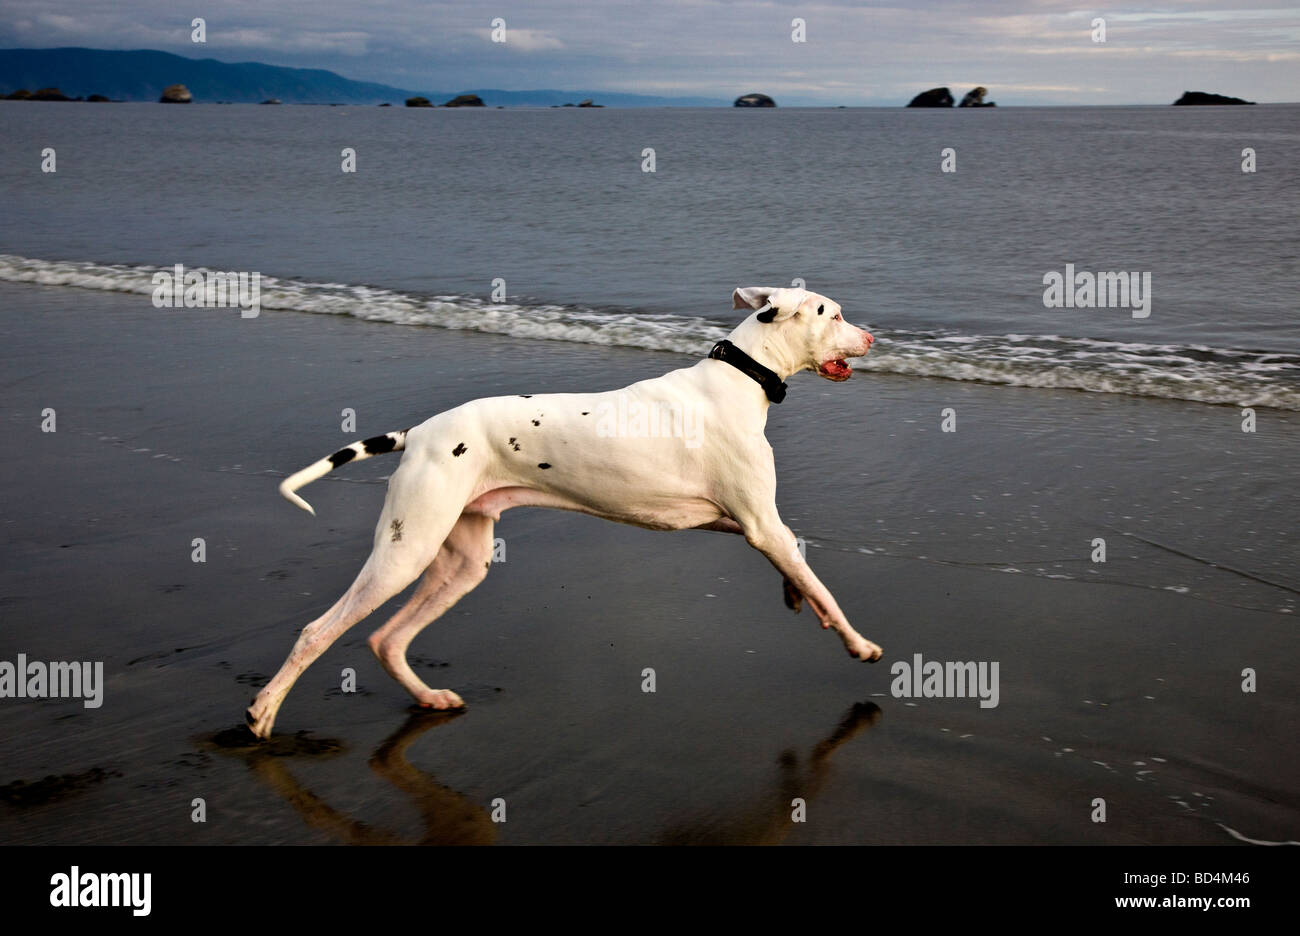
column 1025, row 52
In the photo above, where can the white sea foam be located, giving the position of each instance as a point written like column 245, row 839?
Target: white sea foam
column 1230, row 376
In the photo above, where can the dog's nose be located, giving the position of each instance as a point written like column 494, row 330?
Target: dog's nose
column 868, row 337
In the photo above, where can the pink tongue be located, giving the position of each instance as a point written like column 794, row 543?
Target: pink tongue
column 835, row 367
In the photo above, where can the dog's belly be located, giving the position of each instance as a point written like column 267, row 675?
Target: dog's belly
column 661, row 513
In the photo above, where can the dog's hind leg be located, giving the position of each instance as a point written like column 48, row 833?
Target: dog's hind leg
column 371, row 589
column 461, row 564
column 412, row 527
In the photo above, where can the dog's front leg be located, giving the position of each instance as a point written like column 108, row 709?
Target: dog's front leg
column 792, row 596
column 773, row 539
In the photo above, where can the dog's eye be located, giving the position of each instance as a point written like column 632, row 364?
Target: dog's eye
column 821, row 309
column 839, row 318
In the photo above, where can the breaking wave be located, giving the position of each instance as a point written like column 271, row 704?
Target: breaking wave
column 1233, row 376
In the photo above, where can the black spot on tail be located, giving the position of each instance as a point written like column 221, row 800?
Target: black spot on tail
column 342, row 457
column 543, row 466
column 459, row 450
column 379, row 445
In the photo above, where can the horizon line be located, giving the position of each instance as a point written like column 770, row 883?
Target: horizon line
column 591, row 92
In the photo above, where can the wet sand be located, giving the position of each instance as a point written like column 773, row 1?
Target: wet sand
column 1122, row 683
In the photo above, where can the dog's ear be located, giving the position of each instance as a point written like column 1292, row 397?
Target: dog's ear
column 751, row 297
column 773, row 304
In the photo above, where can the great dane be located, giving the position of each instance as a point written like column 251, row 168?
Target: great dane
column 681, row 451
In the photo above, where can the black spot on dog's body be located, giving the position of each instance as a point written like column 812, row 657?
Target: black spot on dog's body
column 378, row 445
column 586, row 412
column 537, row 422
column 513, row 443
column 342, row 457
column 766, row 317
column 526, row 396
column 543, row 466
column 459, row 450
column 396, row 527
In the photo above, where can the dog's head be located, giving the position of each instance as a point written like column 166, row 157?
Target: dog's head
column 807, row 328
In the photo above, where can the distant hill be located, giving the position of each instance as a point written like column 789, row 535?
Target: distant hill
column 142, row 75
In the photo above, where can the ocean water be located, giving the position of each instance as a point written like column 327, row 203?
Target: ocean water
column 946, row 268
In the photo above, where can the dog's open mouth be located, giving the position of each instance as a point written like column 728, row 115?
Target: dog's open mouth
column 837, row 369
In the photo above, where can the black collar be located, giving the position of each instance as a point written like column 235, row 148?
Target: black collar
column 724, row 350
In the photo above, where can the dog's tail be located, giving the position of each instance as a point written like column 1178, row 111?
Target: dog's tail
column 378, row 445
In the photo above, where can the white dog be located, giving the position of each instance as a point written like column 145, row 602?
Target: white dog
column 463, row 467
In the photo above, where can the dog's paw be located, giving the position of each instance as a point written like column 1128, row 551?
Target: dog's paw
column 863, row 649
column 259, row 728
column 793, row 597
column 440, row 699
column 259, row 718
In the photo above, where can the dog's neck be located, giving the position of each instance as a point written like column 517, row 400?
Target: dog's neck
column 762, row 342
column 774, row 387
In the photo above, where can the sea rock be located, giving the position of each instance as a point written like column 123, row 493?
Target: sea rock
column 22, row 94
column 587, row 103
column 418, row 102
column 975, row 98
column 1202, row 97
column 385, row 104
column 50, row 94
column 274, row 100
column 176, row 94
column 465, row 100
column 754, row 100
column 97, row 99
column 935, row 97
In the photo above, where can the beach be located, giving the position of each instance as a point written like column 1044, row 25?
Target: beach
column 1120, row 681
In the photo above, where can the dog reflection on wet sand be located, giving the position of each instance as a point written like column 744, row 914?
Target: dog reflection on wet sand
column 767, row 819
column 450, row 818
